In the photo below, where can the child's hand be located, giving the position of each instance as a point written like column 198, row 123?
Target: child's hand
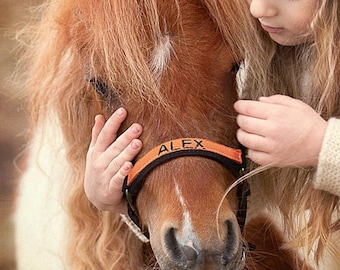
column 280, row 131
column 108, row 161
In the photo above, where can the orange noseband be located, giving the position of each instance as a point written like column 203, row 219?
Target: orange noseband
column 231, row 158
column 183, row 147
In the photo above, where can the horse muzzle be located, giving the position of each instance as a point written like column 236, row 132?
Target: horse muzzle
column 181, row 249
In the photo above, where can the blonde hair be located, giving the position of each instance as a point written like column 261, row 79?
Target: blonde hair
column 311, row 72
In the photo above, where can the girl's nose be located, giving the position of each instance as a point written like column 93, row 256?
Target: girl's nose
column 262, row 8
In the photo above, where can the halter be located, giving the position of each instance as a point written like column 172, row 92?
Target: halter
column 232, row 159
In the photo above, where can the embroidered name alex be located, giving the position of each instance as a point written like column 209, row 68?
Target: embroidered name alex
column 184, row 144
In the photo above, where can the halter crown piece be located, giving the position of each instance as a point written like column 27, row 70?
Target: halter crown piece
column 232, row 159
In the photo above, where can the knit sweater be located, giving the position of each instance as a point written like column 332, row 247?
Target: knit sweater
column 327, row 175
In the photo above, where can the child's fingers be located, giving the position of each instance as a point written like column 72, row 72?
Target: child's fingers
column 261, row 158
column 108, row 134
column 99, row 122
column 253, row 141
column 118, row 204
column 252, row 125
column 117, row 180
column 252, row 108
column 123, row 141
column 127, row 155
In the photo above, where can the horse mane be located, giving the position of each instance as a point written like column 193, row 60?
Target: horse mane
column 75, row 40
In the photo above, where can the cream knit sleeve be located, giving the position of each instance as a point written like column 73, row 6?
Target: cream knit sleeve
column 327, row 175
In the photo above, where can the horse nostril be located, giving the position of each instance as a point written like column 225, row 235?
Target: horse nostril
column 172, row 246
column 182, row 255
column 190, row 254
column 231, row 247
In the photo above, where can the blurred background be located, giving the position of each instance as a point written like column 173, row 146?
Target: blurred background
column 13, row 121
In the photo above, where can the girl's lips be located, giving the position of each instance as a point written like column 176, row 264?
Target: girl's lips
column 272, row 30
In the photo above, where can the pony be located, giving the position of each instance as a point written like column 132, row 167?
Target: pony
column 173, row 65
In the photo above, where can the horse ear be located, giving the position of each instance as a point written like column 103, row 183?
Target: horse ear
column 107, row 93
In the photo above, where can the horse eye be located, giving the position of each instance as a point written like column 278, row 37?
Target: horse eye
column 101, row 87
column 107, row 93
column 235, row 67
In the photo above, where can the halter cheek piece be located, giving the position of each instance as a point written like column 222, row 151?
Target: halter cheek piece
column 232, row 159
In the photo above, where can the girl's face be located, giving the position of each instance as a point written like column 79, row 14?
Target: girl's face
column 286, row 21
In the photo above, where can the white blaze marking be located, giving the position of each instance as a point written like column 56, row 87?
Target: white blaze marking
column 188, row 236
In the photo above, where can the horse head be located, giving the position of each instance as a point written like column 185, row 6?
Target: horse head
column 173, row 66
column 184, row 99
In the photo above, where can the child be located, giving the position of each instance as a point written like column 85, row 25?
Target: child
column 296, row 56
column 286, row 132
